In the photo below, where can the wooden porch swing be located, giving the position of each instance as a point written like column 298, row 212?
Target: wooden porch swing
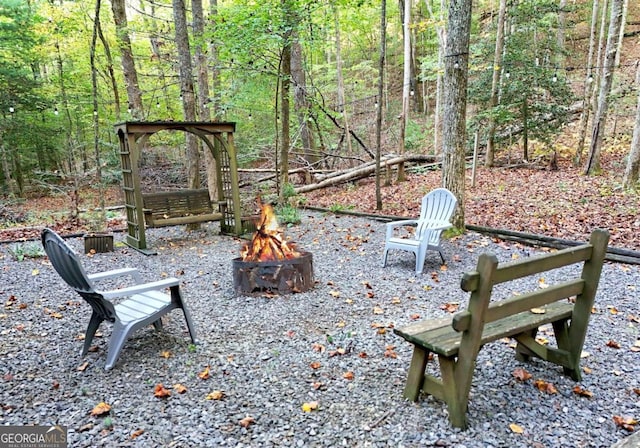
column 184, row 206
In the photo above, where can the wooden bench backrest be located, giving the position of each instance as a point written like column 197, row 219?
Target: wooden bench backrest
column 583, row 287
column 178, row 203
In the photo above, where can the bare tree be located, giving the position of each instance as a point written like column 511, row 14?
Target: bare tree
column 437, row 112
column 126, row 56
column 301, row 102
column 405, row 9
column 185, row 73
column 203, row 89
column 600, row 118
column 632, row 171
column 586, row 97
column 455, row 103
column 381, row 59
column 342, row 106
column 495, row 80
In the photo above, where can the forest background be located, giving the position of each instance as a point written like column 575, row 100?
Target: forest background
column 547, row 92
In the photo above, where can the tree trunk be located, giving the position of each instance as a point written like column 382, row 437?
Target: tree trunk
column 203, row 91
column 405, row 8
column 632, row 171
column 94, row 94
column 625, row 9
column 156, row 37
column 185, row 74
column 525, row 129
column 126, row 56
column 455, row 103
column 214, row 62
column 381, row 59
column 562, row 23
column 110, row 71
column 342, row 106
column 586, row 99
column 285, row 92
column 600, row 119
column 495, row 80
column 437, row 112
column 301, row 103
column 598, row 63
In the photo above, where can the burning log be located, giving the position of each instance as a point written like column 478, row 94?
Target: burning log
column 267, row 243
column 269, row 264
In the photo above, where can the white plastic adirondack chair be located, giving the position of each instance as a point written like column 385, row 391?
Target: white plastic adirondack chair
column 437, row 208
column 143, row 303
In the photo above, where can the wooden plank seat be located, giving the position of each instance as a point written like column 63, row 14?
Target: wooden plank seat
column 457, row 340
column 171, row 208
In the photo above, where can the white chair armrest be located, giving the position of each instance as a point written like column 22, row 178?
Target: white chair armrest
column 133, row 272
column 138, row 289
column 394, row 224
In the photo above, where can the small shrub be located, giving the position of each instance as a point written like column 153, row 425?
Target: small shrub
column 20, row 251
column 288, row 214
column 337, row 208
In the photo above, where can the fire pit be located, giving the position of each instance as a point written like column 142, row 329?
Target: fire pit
column 269, row 264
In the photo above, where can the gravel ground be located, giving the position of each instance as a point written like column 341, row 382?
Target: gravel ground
column 261, row 352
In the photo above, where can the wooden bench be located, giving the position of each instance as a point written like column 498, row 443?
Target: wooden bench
column 458, row 340
column 171, row 208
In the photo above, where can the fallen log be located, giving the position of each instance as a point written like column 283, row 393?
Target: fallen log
column 364, row 171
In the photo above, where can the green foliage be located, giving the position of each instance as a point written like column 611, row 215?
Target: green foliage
column 20, row 251
column 288, row 214
column 337, row 208
column 529, row 76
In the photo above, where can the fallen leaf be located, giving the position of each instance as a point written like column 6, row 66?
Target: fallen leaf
column 310, row 406
column 626, row 423
column 545, row 387
column 521, row 374
column 204, row 375
column 82, row 367
column 582, row 392
column 450, row 307
column 137, row 433
column 160, row 391
column 215, row 395
column 538, row 310
column 414, row 316
column 362, row 355
column 315, row 365
column 613, row 344
column 348, row 375
column 335, row 293
column 245, row 422
column 516, row 428
column 165, row 354
column 378, row 310
column 179, row 388
column 318, row 347
column 101, row 408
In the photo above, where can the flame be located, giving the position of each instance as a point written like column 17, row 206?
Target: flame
column 268, row 243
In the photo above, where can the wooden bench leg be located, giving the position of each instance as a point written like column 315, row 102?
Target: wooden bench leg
column 456, row 404
column 561, row 331
column 523, row 354
column 416, row 373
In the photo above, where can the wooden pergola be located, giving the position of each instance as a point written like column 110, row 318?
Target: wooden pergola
column 217, row 137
